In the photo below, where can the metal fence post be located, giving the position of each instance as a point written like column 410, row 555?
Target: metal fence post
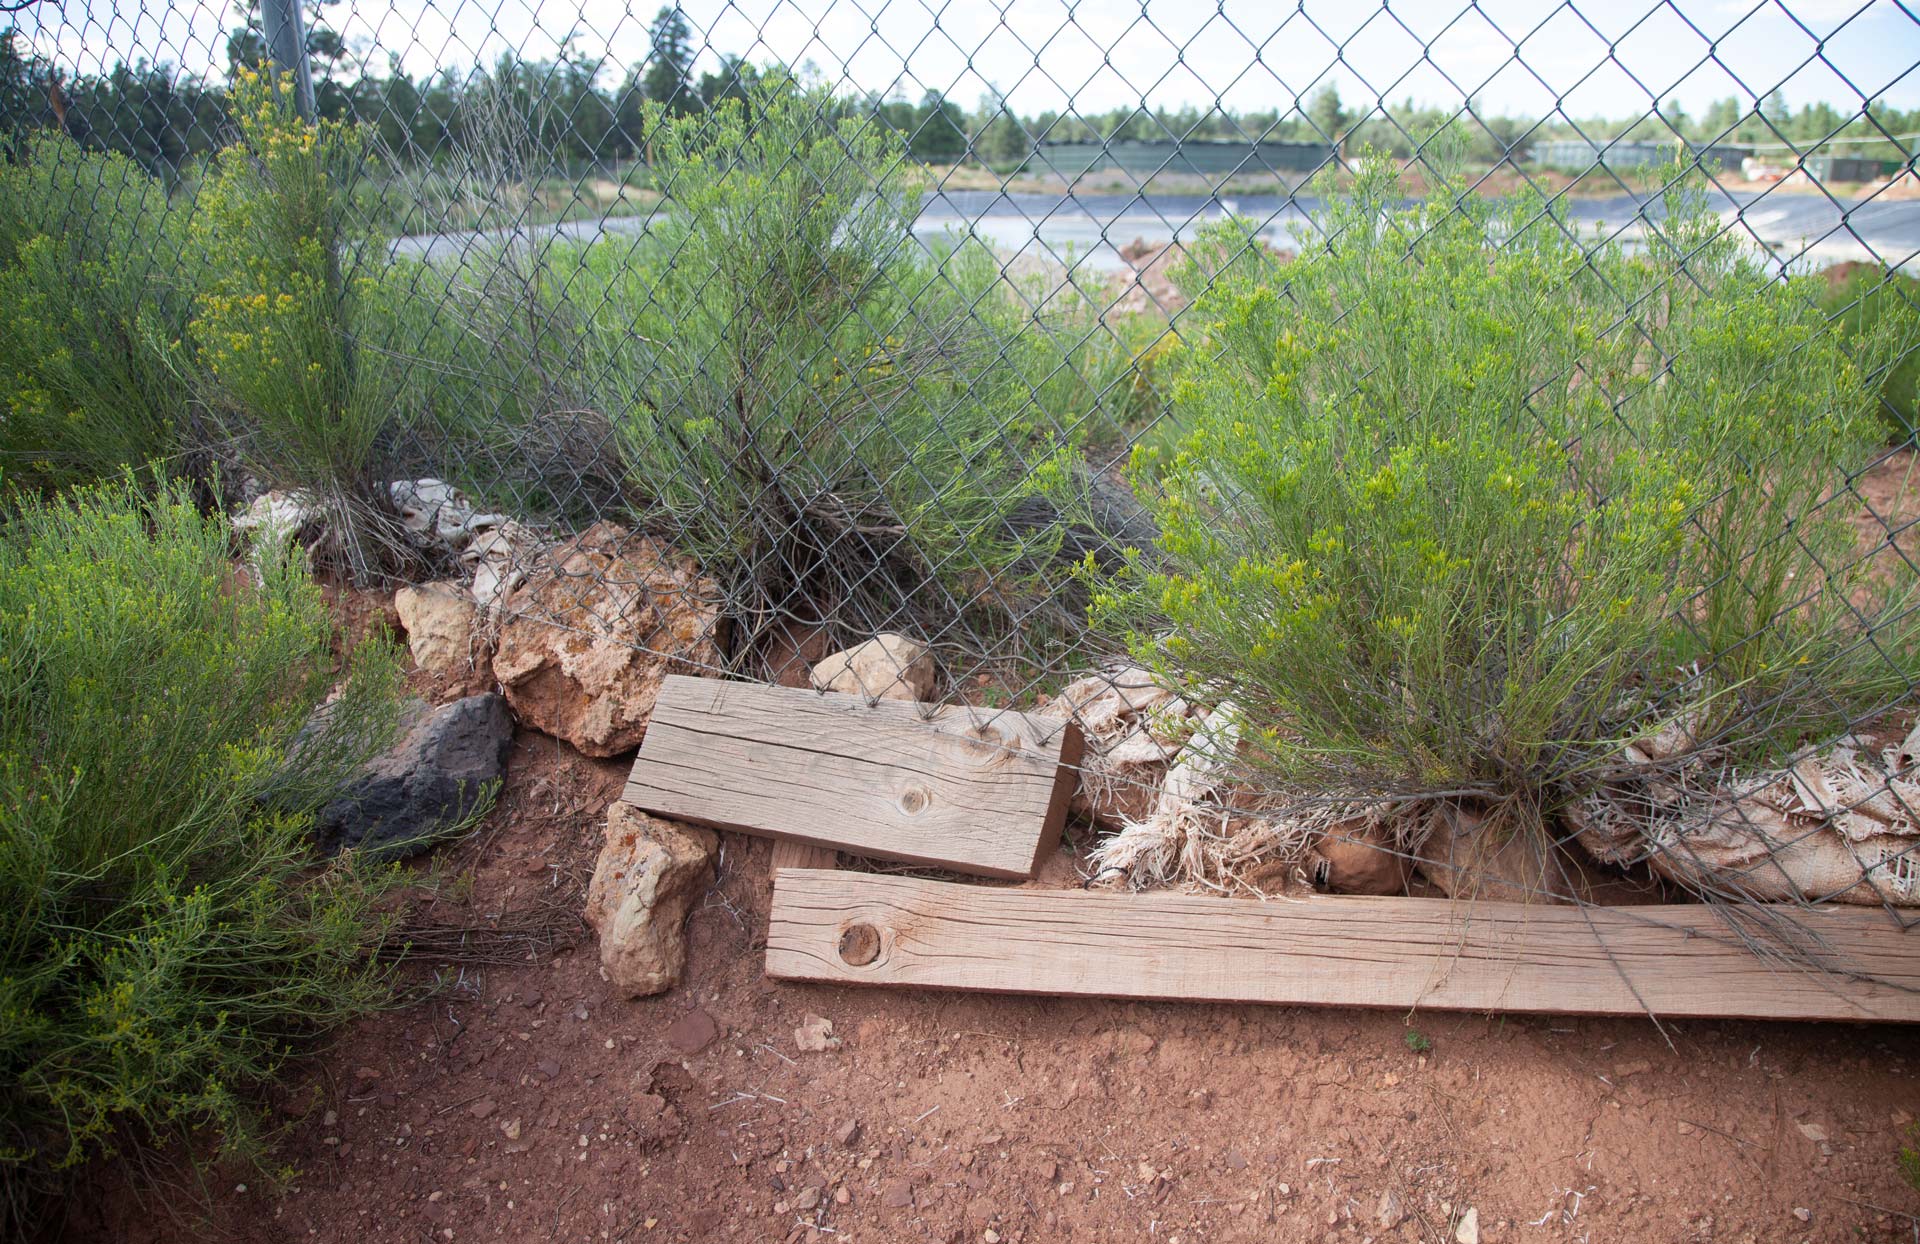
column 286, row 32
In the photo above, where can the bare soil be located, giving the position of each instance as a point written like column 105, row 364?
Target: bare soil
column 519, row 1099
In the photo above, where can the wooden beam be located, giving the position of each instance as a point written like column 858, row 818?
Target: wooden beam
column 1403, row 953
column 790, row 854
column 972, row 789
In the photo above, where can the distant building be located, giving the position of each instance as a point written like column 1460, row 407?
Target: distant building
column 1824, row 168
column 1209, row 159
column 1575, row 155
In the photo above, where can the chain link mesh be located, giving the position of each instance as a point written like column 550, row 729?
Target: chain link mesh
column 876, row 361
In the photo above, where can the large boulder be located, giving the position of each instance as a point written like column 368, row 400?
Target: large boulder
column 648, row 876
column 412, row 796
column 886, row 667
column 444, row 635
column 595, row 629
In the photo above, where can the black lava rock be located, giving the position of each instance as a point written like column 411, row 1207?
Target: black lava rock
column 438, row 774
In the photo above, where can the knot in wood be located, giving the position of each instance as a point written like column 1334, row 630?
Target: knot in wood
column 859, row 945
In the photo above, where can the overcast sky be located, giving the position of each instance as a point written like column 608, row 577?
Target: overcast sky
column 1604, row 57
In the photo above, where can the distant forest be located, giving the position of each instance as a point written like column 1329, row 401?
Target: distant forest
column 582, row 109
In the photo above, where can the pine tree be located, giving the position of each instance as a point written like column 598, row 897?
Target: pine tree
column 666, row 80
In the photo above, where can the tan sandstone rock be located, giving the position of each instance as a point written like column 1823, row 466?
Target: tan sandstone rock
column 886, row 667
column 443, row 634
column 595, row 629
column 1470, row 855
column 649, row 874
column 1135, row 726
column 1357, row 856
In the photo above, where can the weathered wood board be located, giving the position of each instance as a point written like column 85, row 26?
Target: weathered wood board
column 972, row 789
column 790, row 854
column 1402, row 953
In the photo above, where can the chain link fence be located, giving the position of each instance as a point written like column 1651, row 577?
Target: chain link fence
column 1461, row 450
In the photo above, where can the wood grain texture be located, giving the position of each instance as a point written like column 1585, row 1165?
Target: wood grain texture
column 975, row 790
column 790, row 854
column 1336, row 951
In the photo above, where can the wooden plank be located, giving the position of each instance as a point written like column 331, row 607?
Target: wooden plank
column 1402, row 953
column 790, row 854
column 972, row 789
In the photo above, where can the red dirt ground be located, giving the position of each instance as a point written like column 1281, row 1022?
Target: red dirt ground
column 523, row 1101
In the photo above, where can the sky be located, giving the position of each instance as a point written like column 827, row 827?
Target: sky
column 1517, row 57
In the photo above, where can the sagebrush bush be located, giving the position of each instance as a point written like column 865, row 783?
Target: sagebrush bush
column 94, row 286
column 166, row 937
column 280, row 367
column 828, row 412
column 1460, row 504
column 1861, row 297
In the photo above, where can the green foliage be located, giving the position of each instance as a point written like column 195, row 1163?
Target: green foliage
column 817, row 405
column 167, row 940
column 1461, row 504
column 1862, row 298
column 1908, row 1159
column 277, row 363
column 1418, row 1042
column 93, row 284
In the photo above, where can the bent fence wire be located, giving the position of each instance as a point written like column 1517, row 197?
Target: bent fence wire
column 747, row 332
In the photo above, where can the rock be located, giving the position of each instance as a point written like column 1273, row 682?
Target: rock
column 815, row 1035
column 1389, row 1214
column 649, row 873
column 652, row 1117
column 1803, row 1213
column 482, row 1108
column 886, row 667
column 1467, row 1230
column 595, row 629
column 692, row 1032
column 1134, row 725
column 441, row 622
column 1355, row 857
column 1470, row 857
column 810, row 1197
column 1838, row 825
column 847, row 1133
column 897, row 1194
column 436, row 776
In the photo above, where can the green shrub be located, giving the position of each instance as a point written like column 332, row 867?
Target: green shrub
column 93, row 285
column 280, row 370
column 1461, row 504
column 828, row 413
column 166, row 938
column 1861, row 297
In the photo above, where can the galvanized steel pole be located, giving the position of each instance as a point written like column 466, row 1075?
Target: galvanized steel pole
column 286, row 32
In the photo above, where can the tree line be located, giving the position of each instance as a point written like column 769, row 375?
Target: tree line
column 578, row 108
